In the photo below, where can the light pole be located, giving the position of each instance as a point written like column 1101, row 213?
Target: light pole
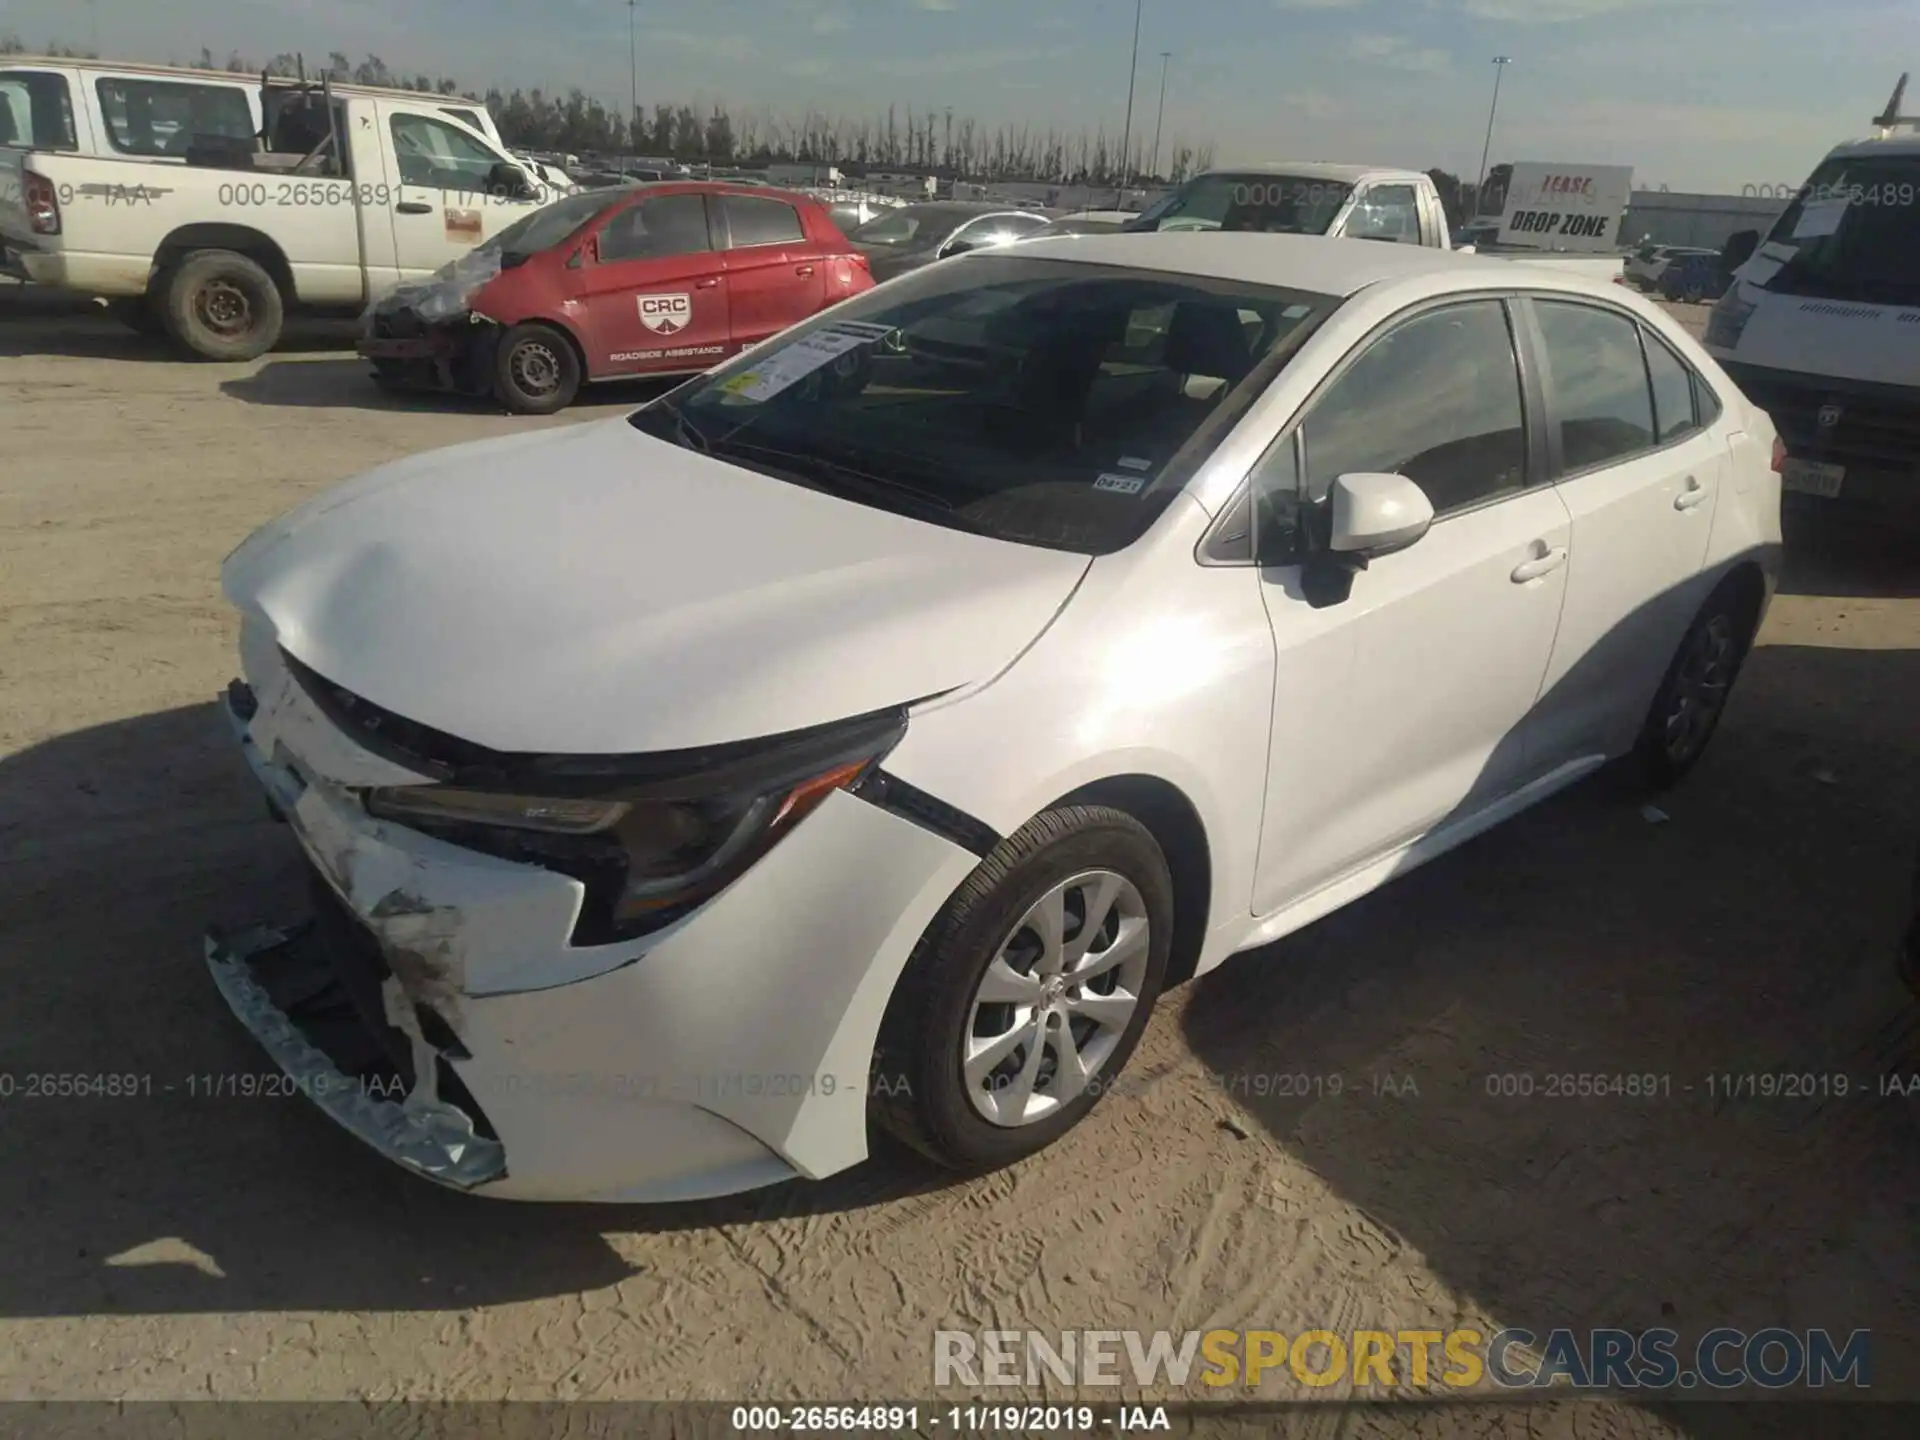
column 1126, row 134
column 1500, row 62
column 633, row 81
column 1165, row 57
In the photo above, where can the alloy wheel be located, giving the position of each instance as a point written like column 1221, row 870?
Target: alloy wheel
column 1700, row 688
column 1056, row 999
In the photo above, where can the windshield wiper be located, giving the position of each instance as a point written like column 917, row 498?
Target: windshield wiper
column 810, row 466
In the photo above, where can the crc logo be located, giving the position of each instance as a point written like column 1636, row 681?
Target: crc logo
column 665, row 314
column 1830, row 416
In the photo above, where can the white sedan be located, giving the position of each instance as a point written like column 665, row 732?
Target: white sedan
column 868, row 731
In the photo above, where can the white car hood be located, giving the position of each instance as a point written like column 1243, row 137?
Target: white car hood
column 593, row 590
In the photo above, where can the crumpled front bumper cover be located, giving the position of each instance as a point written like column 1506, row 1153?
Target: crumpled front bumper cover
column 429, row 1137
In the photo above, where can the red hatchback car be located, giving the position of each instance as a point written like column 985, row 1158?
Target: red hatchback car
column 658, row 279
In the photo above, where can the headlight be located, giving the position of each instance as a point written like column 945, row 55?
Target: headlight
column 648, row 849
column 1729, row 318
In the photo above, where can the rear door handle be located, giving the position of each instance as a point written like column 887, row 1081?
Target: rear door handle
column 1693, row 495
column 414, row 207
column 706, row 284
column 1540, row 565
column 803, row 270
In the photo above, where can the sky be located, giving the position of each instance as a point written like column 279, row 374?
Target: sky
column 1714, row 95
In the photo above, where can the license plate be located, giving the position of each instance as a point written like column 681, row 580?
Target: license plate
column 1813, row 477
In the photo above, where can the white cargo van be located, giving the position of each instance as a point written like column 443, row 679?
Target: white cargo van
column 1821, row 325
column 338, row 200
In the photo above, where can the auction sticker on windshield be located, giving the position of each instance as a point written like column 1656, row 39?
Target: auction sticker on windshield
column 790, row 365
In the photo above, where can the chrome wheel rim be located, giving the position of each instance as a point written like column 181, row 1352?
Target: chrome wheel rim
column 536, row 369
column 223, row 308
column 1056, row 999
column 1700, row 687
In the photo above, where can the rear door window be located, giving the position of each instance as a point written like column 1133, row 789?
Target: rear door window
column 1598, row 388
column 753, row 221
column 36, row 110
column 167, row 117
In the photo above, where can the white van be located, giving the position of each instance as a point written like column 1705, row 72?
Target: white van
column 150, row 112
column 1821, row 325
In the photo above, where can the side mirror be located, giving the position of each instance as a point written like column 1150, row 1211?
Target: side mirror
column 958, row 247
column 510, row 182
column 1377, row 514
column 1739, row 249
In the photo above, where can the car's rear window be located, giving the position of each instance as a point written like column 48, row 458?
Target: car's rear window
column 1041, row 401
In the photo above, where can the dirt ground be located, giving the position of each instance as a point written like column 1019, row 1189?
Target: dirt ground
column 179, row 1246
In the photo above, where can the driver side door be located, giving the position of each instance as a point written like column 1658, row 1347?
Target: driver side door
column 1403, row 708
column 444, row 199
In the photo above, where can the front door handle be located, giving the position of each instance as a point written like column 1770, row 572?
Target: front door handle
column 414, row 207
column 1540, row 565
column 1691, row 496
column 706, row 284
column 803, row 270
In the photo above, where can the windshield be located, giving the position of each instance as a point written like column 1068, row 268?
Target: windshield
column 1039, row 401
column 1274, row 204
column 1855, row 231
column 550, row 224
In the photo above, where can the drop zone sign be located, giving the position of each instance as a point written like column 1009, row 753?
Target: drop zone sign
column 1566, row 207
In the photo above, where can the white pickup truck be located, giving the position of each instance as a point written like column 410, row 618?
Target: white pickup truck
column 1355, row 202
column 339, row 199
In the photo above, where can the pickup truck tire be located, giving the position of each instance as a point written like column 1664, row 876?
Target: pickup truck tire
column 222, row 306
column 536, row 370
column 139, row 314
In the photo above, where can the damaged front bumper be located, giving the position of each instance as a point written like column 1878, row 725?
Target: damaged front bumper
column 437, row 1009
column 454, row 354
column 420, row 1132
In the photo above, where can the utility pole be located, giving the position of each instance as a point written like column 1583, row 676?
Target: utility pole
column 633, row 81
column 1126, row 134
column 1500, row 62
column 947, row 159
column 1165, row 57
column 93, row 20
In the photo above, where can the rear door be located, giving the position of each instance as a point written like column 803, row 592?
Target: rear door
column 775, row 275
column 654, row 289
column 1640, row 467
column 442, row 200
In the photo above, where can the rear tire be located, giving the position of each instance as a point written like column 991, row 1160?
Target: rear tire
column 536, row 370
column 1692, row 697
column 221, row 305
column 1101, row 877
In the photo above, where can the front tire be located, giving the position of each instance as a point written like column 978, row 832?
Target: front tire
column 535, row 370
column 1023, row 1001
column 222, row 306
column 1686, row 710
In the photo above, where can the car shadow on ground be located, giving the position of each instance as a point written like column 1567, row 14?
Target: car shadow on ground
column 94, row 335
column 120, row 844
column 1845, row 554
column 1546, row 1063
column 331, row 384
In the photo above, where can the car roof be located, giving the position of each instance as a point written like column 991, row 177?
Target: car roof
column 1898, row 143
column 1317, row 170
column 1300, row 262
